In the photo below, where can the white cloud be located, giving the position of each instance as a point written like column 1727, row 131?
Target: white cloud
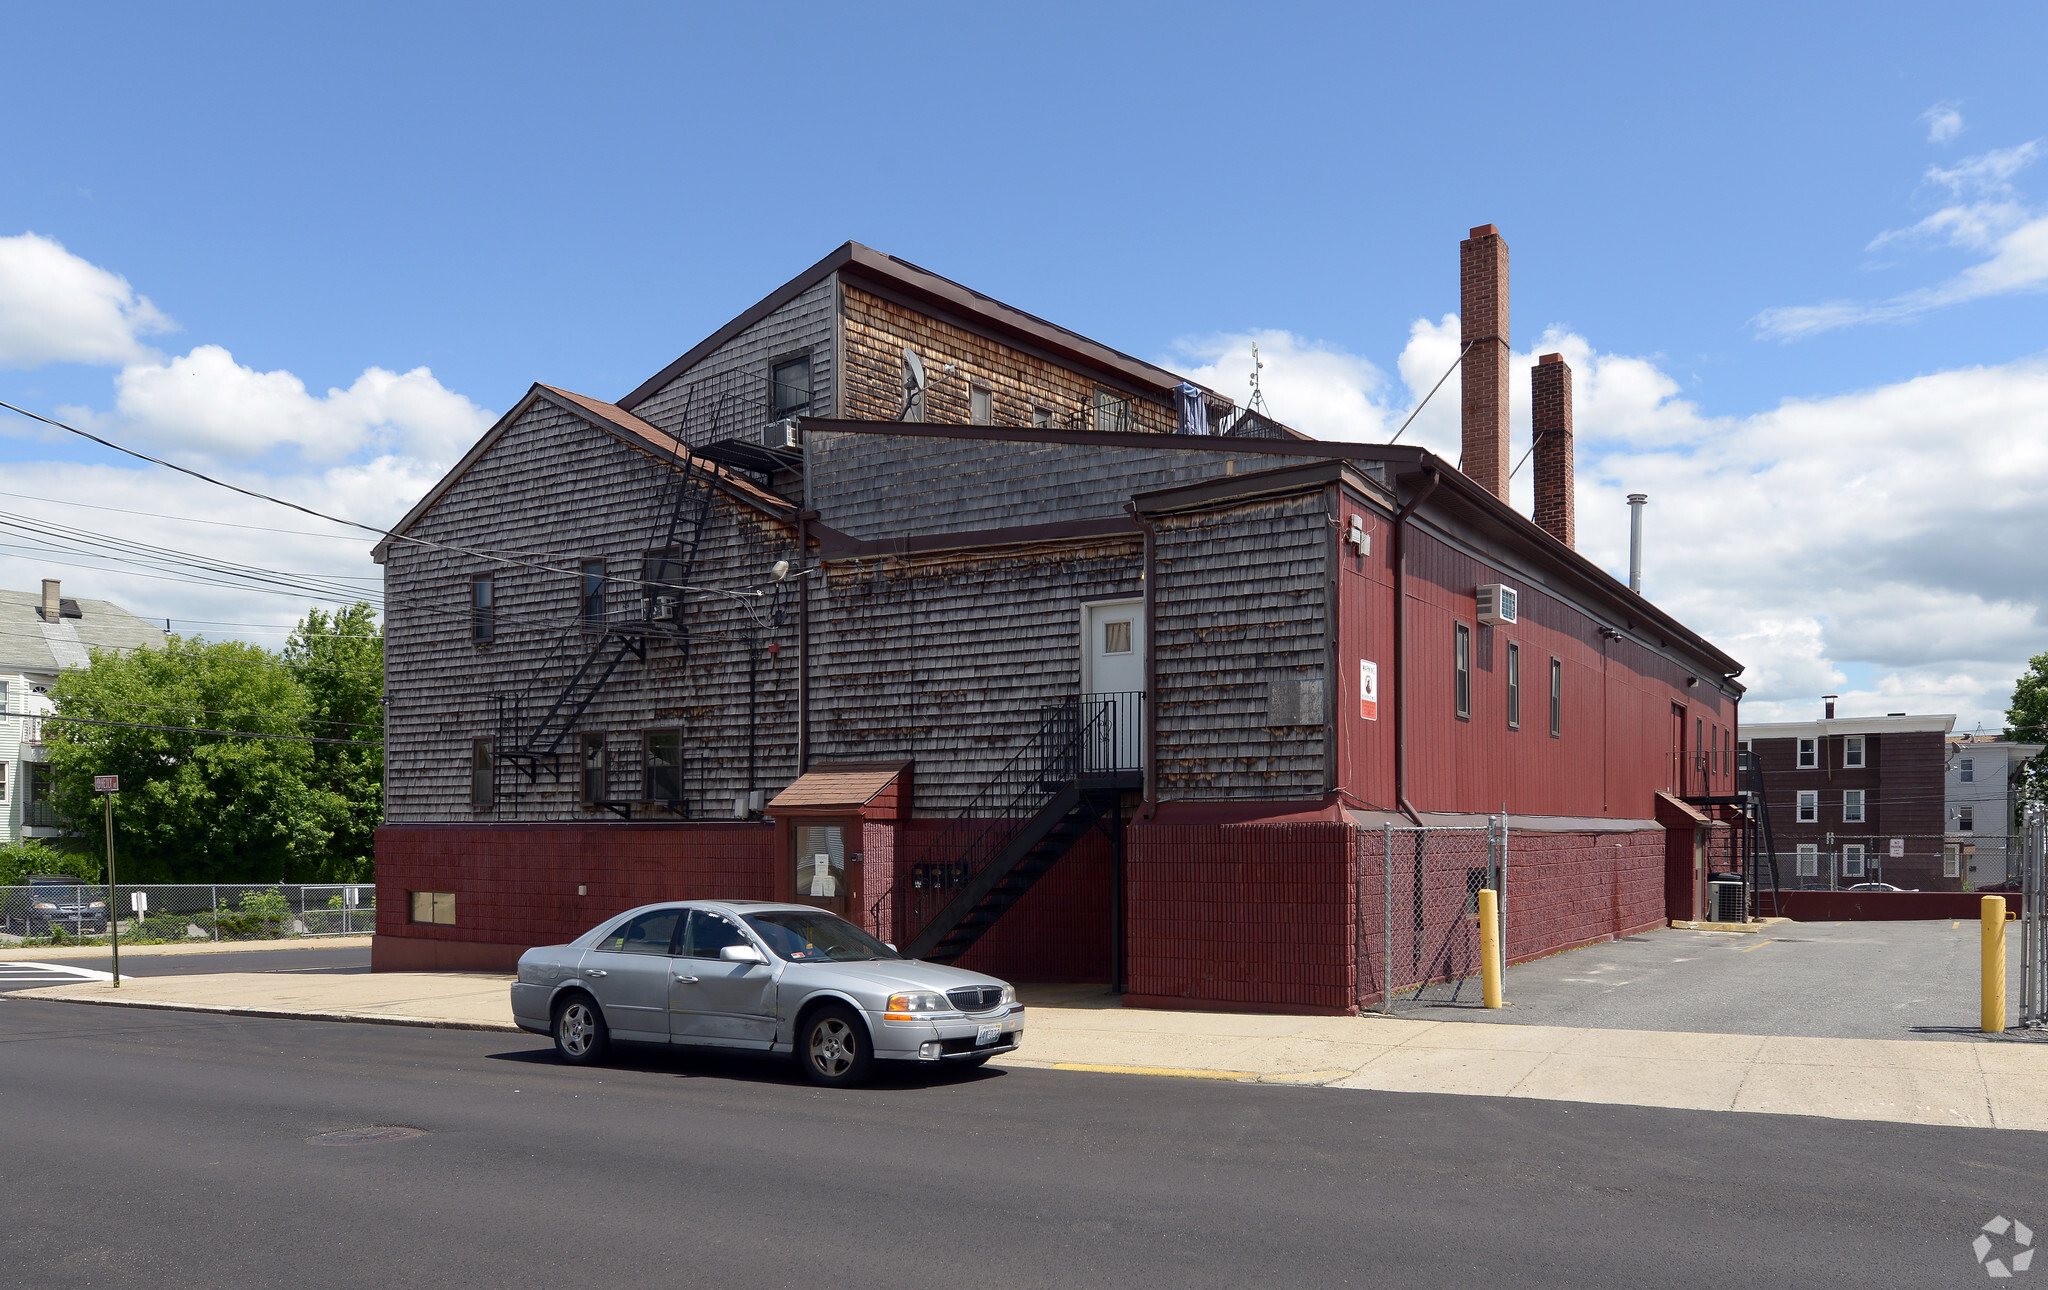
column 206, row 402
column 1985, row 215
column 1890, row 528
column 1944, row 121
column 1308, row 385
column 58, row 308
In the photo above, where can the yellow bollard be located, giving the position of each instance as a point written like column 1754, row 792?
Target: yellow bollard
column 1489, row 947
column 1994, row 964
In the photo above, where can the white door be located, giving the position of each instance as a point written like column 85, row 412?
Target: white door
column 1113, row 683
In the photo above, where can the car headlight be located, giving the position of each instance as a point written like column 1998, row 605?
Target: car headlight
column 44, row 904
column 97, row 904
column 905, row 1007
column 1009, row 995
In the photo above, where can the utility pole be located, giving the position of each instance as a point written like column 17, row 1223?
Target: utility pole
column 108, row 785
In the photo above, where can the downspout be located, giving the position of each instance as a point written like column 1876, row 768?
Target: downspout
column 1151, row 806
column 1401, row 646
column 803, row 635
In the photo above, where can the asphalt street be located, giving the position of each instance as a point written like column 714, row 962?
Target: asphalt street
column 161, row 1148
column 1905, row 980
column 350, row 959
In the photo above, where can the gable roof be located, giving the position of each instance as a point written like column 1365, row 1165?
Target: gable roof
column 858, row 262
column 29, row 644
column 608, row 417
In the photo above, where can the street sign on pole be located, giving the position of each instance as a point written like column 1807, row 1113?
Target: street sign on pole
column 106, row 783
column 110, row 785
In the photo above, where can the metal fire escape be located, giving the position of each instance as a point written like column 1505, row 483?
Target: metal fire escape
column 1755, row 852
column 1069, row 778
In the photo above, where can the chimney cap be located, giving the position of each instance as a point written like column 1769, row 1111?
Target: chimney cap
column 1485, row 230
column 1637, row 499
column 1550, row 358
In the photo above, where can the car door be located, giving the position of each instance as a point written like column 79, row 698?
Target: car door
column 728, row 1005
column 629, row 973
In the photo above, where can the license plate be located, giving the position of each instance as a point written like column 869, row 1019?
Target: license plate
column 988, row 1035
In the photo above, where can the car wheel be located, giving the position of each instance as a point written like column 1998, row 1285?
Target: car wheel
column 833, row 1047
column 581, row 1037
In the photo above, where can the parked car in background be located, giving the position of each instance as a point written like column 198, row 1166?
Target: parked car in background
column 57, row 900
column 2009, row 886
column 783, row 980
column 1875, row 886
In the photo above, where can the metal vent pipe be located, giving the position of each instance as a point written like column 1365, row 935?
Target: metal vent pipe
column 1635, row 541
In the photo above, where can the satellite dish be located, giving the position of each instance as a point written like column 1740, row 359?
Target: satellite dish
column 913, row 368
column 779, row 570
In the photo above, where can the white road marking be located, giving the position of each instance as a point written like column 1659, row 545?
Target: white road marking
column 60, row 970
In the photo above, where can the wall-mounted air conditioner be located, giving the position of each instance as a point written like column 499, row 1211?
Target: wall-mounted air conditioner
column 1498, row 604
column 664, row 610
column 781, row 434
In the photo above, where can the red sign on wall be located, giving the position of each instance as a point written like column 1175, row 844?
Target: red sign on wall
column 1368, row 689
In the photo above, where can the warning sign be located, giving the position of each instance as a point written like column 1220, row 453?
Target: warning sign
column 1368, row 689
column 1898, row 848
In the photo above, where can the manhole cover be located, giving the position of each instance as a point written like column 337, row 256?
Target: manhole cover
column 361, row 1137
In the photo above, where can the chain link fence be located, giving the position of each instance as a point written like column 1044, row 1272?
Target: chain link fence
column 2033, row 898
column 1418, row 912
column 51, row 912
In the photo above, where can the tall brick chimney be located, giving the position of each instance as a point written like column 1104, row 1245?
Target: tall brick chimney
column 1550, row 419
column 1483, row 321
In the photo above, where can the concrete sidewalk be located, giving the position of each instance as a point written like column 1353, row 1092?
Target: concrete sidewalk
column 55, row 953
column 1995, row 1084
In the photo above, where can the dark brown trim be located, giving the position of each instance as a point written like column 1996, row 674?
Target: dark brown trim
column 1333, row 512
column 1253, row 484
column 834, row 545
column 1405, row 457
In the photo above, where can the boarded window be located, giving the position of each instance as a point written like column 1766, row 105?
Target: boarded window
column 483, row 610
column 1461, row 661
column 593, row 769
column 1116, row 636
column 434, row 907
column 664, row 765
column 981, row 405
column 1514, row 686
column 1041, row 418
column 483, row 787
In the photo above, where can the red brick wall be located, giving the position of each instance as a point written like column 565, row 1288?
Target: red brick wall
column 1059, row 931
column 515, row 884
column 1884, row 906
column 1565, row 890
column 1550, row 417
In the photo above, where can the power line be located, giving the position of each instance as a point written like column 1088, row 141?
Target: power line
column 182, row 519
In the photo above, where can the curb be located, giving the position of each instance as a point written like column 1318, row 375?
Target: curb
column 14, row 953
column 275, row 1014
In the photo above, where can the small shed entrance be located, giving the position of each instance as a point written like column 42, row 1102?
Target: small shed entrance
column 825, row 823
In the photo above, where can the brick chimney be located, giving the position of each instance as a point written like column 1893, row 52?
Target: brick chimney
column 1483, row 320
column 53, row 600
column 1550, row 419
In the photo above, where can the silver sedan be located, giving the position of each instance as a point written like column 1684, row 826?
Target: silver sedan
column 749, row 976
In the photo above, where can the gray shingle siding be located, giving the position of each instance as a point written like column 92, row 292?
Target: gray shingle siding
column 738, row 372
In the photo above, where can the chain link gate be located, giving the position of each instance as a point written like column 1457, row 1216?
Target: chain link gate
column 1418, row 911
column 2034, row 917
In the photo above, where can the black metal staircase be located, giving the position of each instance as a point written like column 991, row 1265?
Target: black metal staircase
column 1068, row 779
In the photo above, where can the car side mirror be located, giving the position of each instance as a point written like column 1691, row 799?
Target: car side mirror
column 892, row 947
column 741, row 954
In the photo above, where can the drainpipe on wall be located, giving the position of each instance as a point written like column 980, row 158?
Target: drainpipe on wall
column 1400, row 646
column 803, row 636
column 1151, row 806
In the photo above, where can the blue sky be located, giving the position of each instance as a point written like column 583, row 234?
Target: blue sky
column 1712, row 212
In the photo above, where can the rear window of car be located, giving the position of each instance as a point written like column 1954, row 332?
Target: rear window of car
column 649, row 933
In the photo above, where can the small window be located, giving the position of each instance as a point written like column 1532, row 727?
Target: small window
column 653, row 932
column 1809, row 807
column 593, row 770
column 1852, row 860
column 1116, row 636
column 1556, row 697
column 1966, row 819
column 980, row 405
column 483, row 779
column 792, row 387
column 709, row 933
column 1041, row 418
column 1852, row 752
column 1514, row 686
column 434, row 907
column 3, row 779
column 664, row 765
column 483, row 611
column 1113, row 412
column 1809, row 755
column 1951, row 861
column 1968, row 770
column 1809, row 860
column 1852, row 806
column 1461, row 661
column 591, row 600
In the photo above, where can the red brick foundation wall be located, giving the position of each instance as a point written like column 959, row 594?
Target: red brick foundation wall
column 515, row 884
column 1565, row 890
column 1884, row 906
column 1058, row 933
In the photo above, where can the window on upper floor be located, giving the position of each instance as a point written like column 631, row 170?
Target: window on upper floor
column 1041, row 418
column 1113, row 412
column 590, row 600
column 1852, row 806
column 483, row 610
column 1809, row 807
column 981, row 405
column 1968, row 770
column 594, row 767
column 483, row 779
column 1461, row 662
column 1809, row 754
column 1966, row 819
column 1556, row 697
column 790, row 387
column 1852, row 751
column 664, row 766
column 1514, row 686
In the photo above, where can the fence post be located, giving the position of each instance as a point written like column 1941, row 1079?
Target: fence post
column 214, row 908
column 1387, row 945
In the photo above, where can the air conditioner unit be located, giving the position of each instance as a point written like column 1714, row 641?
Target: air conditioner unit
column 1498, row 604
column 781, row 434
column 664, row 610
column 1725, row 903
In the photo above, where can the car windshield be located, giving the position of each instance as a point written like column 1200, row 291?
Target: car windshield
column 805, row 937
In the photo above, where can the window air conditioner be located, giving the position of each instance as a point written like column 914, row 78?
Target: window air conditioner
column 780, row 434
column 664, row 609
column 1497, row 604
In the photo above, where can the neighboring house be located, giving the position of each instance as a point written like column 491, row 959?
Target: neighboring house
column 40, row 636
column 1855, row 799
column 1982, row 774
column 1027, row 578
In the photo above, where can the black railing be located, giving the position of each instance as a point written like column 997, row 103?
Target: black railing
column 1078, row 738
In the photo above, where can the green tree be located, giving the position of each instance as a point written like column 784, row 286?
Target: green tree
column 194, row 807
column 339, row 662
column 2027, row 721
column 20, row 859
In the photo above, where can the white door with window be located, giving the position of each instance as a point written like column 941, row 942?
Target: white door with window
column 1113, row 681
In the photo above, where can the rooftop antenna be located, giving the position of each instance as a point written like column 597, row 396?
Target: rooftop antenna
column 1257, row 402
